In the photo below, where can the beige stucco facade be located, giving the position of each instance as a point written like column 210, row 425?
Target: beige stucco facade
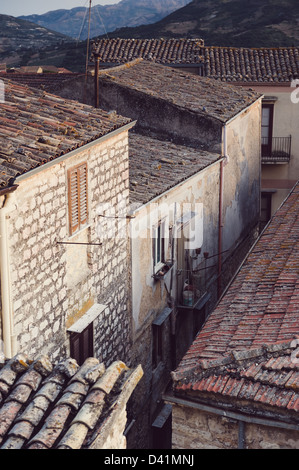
column 279, row 178
column 220, row 207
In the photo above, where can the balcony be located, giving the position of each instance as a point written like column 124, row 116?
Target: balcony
column 276, row 150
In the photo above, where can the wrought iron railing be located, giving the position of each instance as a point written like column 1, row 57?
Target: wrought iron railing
column 276, row 150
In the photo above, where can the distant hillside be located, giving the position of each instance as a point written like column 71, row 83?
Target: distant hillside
column 20, row 39
column 239, row 23
column 105, row 18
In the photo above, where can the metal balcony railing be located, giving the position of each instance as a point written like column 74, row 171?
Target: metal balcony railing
column 276, row 150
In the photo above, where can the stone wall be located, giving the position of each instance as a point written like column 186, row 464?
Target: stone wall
column 153, row 114
column 53, row 285
column 195, row 429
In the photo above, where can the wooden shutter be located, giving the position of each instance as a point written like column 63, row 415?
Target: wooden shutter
column 82, row 181
column 77, row 197
column 81, row 345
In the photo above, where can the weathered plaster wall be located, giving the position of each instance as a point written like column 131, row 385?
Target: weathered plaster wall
column 161, row 117
column 54, row 285
column 149, row 295
column 282, row 177
column 242, row 174
column 195, row 429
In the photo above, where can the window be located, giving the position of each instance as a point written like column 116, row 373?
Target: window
column 81, row 344
column 267, row 125
column 159, row 246
column 157, row 355
column 161, row 337
column 77, row 197
column 266, row 209
column 81, row 333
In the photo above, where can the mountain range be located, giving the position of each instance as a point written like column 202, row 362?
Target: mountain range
column 238, row 23
column 234, row 23
column 105, row 18
column 19, row 39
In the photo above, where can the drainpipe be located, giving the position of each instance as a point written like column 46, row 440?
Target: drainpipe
column 241, row 435
column 222, row 163
column 220, row 223
column 7, row 311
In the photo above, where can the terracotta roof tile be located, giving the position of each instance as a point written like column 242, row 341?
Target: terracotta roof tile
column 156, row 166
column 36, row 127
column 232, row 325
column 201, row 95
column 265, row 370
column 162, row 51
column 60, row 406
column 230, row 64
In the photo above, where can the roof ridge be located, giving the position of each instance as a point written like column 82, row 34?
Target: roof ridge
column 235, row 358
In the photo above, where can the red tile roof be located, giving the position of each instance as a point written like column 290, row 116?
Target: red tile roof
column 258, row 316
column 199, row 95
column 251, row 65
column 163, row 51
column 62, row 406
column 36, row 127
column 268, row 375
column 45, row 81
column 225, row 63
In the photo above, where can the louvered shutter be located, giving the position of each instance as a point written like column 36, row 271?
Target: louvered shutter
column 82, row 181
column 78, row 207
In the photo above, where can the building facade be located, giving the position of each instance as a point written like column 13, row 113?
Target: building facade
column 64, row 289
column 194, row 163
column 237, row 386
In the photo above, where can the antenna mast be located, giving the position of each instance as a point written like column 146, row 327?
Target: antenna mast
column 88, row 38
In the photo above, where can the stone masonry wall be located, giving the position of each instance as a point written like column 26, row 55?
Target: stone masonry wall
column 53, row 285
column 195, row 429
column 153, row 114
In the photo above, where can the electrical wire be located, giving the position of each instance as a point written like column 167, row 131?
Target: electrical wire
column 83, row 22
column 96, row 9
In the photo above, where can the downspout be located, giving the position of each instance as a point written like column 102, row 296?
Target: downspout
column 7, row 311
column 220, row 227
column 220, row 223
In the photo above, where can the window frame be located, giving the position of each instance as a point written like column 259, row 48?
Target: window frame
column 267, row 147
column 157, row 348
column 82, row 344
column 78, row 205
column 159, row 245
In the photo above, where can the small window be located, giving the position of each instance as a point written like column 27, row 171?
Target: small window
column 159, row 246
column 77, row 198
column 81, row 344
column 267, row 128
column 157, row 351
column 160, row 337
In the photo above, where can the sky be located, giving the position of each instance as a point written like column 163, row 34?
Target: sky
column 38, row 7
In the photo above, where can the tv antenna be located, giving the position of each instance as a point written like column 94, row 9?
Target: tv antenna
column 88, row 38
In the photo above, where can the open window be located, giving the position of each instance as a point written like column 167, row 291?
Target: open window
column 81, row 344
column 267, row 129
column 82, row 334
column 159, row 246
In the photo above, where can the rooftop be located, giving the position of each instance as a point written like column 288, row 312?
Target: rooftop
column 199, row 95
column 63, row 406
column 156, row 166
column 268, row 375
column 37, row 127
column 45, row 81
column 225, row 63
column 163, row 51
column 260, row 309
